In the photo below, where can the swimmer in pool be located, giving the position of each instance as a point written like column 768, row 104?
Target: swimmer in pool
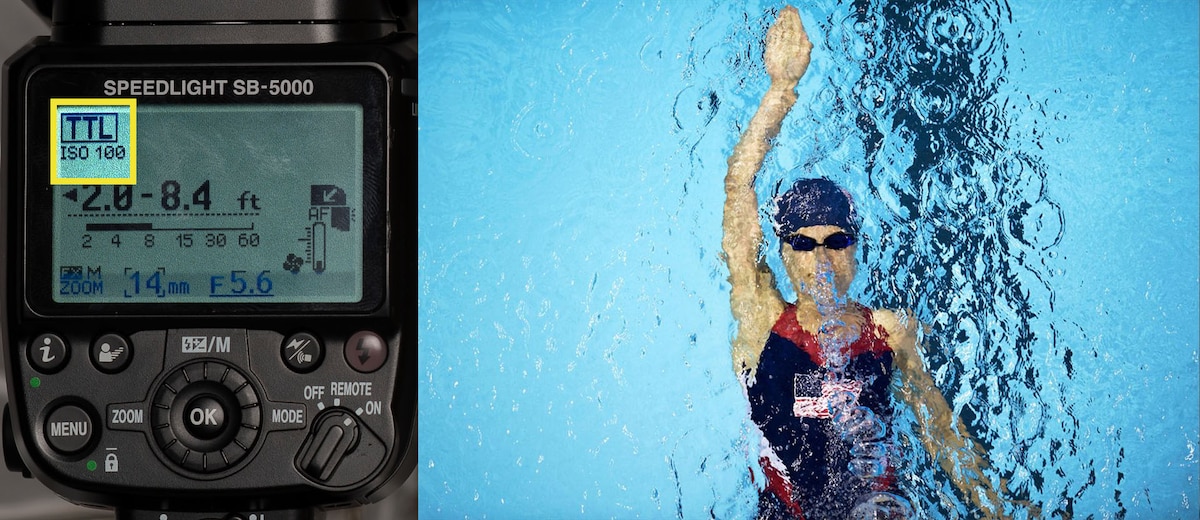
column 804, row 395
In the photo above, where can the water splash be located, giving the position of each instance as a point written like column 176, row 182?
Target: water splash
column 882, row 505
column 858, row 425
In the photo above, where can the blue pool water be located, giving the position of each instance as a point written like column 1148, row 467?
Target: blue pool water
column 1028, row 177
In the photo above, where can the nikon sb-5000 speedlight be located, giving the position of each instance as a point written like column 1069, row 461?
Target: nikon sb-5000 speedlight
column 208, row 255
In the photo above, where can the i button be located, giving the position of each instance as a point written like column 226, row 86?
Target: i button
column 48, row 353
column 204, row 417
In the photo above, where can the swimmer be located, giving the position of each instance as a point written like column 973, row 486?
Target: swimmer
column 780, row 349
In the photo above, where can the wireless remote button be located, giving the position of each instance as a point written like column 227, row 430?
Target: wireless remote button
column 111, row 353
column 302, row 352
column 48, row 353
column 69, row 429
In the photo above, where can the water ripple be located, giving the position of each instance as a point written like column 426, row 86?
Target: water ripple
column 952, row 30
column 934, row 103
column 966, row 226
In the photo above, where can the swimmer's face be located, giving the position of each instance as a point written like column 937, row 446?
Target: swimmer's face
column 809, row 269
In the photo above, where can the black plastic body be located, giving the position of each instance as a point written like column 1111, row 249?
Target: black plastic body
column 168, row 22
column 393, row 319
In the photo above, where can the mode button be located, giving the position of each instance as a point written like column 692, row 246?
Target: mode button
column 288, row 416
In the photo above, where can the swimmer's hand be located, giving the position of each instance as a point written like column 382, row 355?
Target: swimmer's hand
column 787, row 48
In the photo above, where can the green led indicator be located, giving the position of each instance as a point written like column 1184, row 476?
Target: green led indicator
column 35, row 382
column 91, row 465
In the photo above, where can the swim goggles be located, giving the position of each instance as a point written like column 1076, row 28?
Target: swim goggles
column 836, row 241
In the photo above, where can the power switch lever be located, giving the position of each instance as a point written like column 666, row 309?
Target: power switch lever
column 333, row 437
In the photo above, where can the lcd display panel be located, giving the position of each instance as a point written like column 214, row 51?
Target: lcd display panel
column 236, row 203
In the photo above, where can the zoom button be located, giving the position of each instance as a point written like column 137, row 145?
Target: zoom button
column 126, row 416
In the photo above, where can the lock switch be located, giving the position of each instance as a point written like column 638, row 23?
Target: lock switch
column 111, row 464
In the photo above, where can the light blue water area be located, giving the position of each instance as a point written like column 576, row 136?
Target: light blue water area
column 1027, row 176
column 1121, row 81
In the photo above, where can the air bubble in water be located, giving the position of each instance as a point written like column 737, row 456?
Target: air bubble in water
column 882, row 506
column 867, row 468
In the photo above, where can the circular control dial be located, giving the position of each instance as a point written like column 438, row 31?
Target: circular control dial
column 206, row 416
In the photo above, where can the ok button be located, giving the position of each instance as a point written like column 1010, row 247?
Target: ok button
column 205, row 417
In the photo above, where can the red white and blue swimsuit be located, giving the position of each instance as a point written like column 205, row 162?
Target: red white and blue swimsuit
column 806, row 459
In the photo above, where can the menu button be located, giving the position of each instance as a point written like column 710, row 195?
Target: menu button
column 69, row 429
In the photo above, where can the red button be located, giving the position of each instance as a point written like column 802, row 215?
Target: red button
column 365, row 352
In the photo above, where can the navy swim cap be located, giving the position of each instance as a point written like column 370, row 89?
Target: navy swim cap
column 814, row 202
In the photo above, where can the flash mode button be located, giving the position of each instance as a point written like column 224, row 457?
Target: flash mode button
column 365, row 352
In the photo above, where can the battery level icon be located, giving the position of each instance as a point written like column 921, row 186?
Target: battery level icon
column 318, row 247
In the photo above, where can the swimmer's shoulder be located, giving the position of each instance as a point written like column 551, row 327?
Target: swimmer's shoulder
column 900, row 326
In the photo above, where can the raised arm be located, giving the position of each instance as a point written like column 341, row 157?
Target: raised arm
column 754, row 299
column 941, row 431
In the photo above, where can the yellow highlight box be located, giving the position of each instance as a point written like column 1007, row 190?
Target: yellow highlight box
column 93, row 141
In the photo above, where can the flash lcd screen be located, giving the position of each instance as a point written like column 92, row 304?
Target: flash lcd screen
column 239, row 203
